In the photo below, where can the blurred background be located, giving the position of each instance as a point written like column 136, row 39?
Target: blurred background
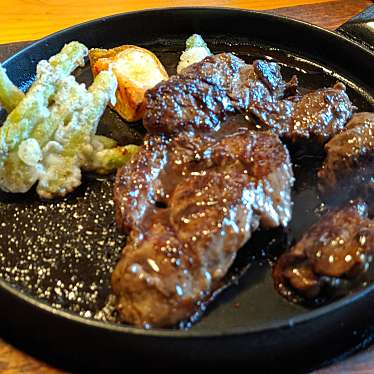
column 22, row 20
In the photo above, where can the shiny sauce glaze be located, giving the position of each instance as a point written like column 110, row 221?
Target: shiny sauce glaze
column 204, row 197
column 349, row 163
column 331, row 255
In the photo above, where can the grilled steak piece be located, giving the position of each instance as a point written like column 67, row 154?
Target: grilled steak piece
column 349, row 164
column 189, row 205
column 205, row 93
column 330, row 256
column 201, row 97
column 318, row 115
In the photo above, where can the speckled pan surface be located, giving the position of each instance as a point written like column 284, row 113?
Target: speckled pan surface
column 56, row 257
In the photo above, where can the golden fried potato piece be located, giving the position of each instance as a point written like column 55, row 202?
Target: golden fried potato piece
column 136, row 70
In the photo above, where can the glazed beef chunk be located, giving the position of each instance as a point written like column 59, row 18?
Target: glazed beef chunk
column 205, row 93
column 316, row 116
column 329, row 257
column 202, row 97
column 188, row 205
column 349, row 164
column 205, row 180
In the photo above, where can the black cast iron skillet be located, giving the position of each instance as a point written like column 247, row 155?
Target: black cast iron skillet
column 56, row 257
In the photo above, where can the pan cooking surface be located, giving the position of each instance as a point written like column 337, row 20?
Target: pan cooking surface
column 63, row 252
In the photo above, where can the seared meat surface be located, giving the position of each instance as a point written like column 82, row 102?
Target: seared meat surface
column 204, row 181
column 201, row 97
column 330, row 254
column 189, row 205
column 349, row 163
column 318, row 115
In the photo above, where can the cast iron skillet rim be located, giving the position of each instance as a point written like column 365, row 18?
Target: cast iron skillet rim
column 168, row 333
column 225, row 332
column 267, row 16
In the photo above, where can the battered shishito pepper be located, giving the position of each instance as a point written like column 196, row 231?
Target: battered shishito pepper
column 136, row 70
column 10, row 95
column 49, row 134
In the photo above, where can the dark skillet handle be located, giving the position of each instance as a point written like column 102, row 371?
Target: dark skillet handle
column 360, row 28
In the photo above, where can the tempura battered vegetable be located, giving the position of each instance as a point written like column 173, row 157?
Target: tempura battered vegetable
column 107, row 160
column 196, row 50
column 66, row 154
column 50, row 134
column 136, row 70
column 103, row 142
column 10, row 95
column 33, row 108
column 67, row 99
column 107, row 155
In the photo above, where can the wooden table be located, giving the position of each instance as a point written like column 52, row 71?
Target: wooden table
column 23, row 20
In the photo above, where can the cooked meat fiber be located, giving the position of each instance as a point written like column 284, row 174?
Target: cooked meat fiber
column 349, row 164
column 318, row 115
column 201, row 97
column 189, row 205
column 204, row 94
column 331, row 254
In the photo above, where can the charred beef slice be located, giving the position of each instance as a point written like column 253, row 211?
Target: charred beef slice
column 331, row 254
column 316, row 116
column 201, row 185
column 205, row 93
column 188, row 205
column 349, row 164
